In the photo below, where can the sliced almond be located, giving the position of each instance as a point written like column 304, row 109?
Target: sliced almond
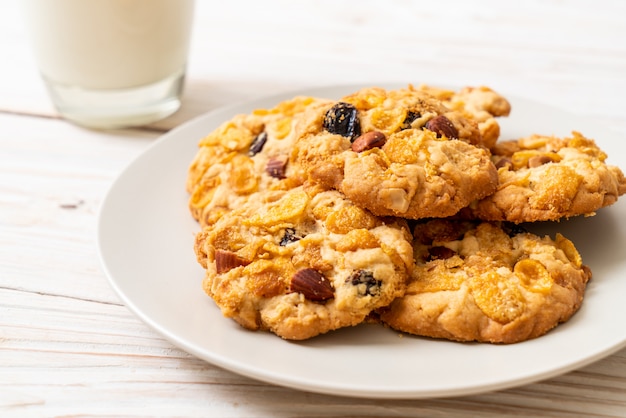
column 312, row 284
column 369, row 140
column 227, row 260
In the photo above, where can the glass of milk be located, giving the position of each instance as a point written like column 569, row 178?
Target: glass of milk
column 111, row 63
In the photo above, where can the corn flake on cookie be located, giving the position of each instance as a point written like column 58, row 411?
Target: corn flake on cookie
column 482, row 104
column 483, row 282
column 246, row 154
column 545, row 178
column 303, row 262
column 396, row 153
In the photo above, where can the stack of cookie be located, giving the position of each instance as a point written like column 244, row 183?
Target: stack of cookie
column 400, row 206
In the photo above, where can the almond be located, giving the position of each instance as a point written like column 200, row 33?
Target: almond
column 539, row 160
column 369, row 140
column 277, row 166
column 312, row 284
column 442, row 126
column 504, row 162
column 226, row 260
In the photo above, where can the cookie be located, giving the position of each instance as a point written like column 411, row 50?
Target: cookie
column 303, row 262
column 544, row 178
column 486, row 283
column 244, row 155
column 396, row 153
column 392, row 110
column 482, row 104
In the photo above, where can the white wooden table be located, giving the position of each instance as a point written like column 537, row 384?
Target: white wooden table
column 69, row 347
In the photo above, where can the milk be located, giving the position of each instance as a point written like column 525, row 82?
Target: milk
column 109, row 44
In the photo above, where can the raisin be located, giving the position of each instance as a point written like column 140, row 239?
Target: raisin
column 513, row 229
column 257, row 144
column 440, row 253
column 289, row 237
column 368, row 285
column 343, row 119
column 410, row 117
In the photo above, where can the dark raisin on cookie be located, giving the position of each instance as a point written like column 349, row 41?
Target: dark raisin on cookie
column 343, row 119
column 257, row 144
column 440, row 253
column 367, row 283
column 513, row 229
column 289, row 237
column 410, row 117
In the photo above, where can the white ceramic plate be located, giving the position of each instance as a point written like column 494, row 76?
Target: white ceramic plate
column 145, row 238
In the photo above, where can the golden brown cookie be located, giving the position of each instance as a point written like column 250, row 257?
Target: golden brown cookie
column 548, row 178
column 303, row 262
column 482, row 104
column 397, row 153
column 484, row 282
column 246, row 154
column 392, row 110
